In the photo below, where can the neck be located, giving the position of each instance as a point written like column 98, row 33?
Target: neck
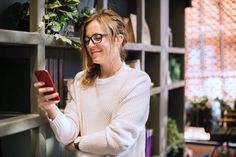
column 110, row 69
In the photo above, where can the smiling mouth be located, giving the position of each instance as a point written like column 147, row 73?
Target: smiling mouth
column 95, row 52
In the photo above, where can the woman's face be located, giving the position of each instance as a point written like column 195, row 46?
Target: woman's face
column 97, row 43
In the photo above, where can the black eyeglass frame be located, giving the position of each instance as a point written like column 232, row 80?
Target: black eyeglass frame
column 95, row 38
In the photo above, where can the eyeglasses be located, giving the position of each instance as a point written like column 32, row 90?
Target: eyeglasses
column 96, row 38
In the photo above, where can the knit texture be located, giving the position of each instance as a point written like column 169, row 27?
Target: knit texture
column 109, row 118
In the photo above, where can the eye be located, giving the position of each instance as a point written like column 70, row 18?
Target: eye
column 86, row 40
column 97, row 37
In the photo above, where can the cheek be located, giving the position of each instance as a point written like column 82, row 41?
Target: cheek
column 106, row 47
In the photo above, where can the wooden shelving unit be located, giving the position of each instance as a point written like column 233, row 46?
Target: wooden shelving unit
column 167, row 100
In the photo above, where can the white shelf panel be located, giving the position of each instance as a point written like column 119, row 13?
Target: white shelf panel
column 20, row 123
column 176, row 50
column 155, row 90
column 20, row 37
column 142, row 47
column 175, row 85
column 51, row 41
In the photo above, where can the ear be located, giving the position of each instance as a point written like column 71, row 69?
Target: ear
column 119, row 38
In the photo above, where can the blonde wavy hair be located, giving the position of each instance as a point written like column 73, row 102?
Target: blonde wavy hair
column 113, row 25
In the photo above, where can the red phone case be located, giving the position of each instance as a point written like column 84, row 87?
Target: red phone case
column 44, row 76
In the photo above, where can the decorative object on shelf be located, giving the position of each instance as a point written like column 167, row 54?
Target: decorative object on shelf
column 216, row 114
column 16, row 17
column 175, row 138
column 199, row 113
column 196, row 133
column 170, row 37
column 130, row 32
column 223, row 105
column 227, row 112
column 133, row 28
column 175, row 69
column 149, row 134
column 169, row 81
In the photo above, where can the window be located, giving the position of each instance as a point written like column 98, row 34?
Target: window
column 210, row 33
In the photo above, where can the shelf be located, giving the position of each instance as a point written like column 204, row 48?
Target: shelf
column 20, row 123
column 153, row 60
column 142, row 47
column 19, row 37
column 202, row 142
column 155, row 90
column 52, row 42
column 176, row 50
column 175, row 85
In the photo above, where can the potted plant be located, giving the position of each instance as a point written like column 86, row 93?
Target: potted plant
column 175, row 138
column 199, row 113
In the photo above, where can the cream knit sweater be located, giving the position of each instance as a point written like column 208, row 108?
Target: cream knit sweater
column 109, row 118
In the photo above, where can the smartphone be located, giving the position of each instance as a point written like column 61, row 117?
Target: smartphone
column 44, row 76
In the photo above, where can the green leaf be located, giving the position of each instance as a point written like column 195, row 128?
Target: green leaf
column 41, row 25
column 48, row 31
column 72, row 8
column 63, row 19
column 55, row 26
column 73, row 16
column 51, row 14
column 63, row 38
column 46, row 17
column 54, row 5
column 74, row 2
column 76, row 44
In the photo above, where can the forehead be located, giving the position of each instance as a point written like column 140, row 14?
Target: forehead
column 94, row 27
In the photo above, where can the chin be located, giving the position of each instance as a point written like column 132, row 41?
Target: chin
column 96, row 61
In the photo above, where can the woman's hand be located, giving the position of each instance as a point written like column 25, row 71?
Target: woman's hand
column 44, row 100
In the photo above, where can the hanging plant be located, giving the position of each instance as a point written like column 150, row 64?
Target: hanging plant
column 59, row 20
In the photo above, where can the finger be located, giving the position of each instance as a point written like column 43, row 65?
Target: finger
column 49, row 97
column 45, row 90
column 42, row 99
column 39, row 84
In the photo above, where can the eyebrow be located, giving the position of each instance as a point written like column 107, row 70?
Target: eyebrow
column 95, row 33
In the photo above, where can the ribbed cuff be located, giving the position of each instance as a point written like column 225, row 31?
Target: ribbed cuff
column 83, row 145
column 59, row 121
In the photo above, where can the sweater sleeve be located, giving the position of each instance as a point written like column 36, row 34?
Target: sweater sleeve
column 128, row 123
column 66, row 126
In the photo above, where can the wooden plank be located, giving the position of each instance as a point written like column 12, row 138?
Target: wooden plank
column 176, row 50
column 177, row 84
column 21, row 123
column 19, row 37
column 142, row 47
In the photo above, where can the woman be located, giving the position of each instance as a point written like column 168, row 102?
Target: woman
column 108, row 102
